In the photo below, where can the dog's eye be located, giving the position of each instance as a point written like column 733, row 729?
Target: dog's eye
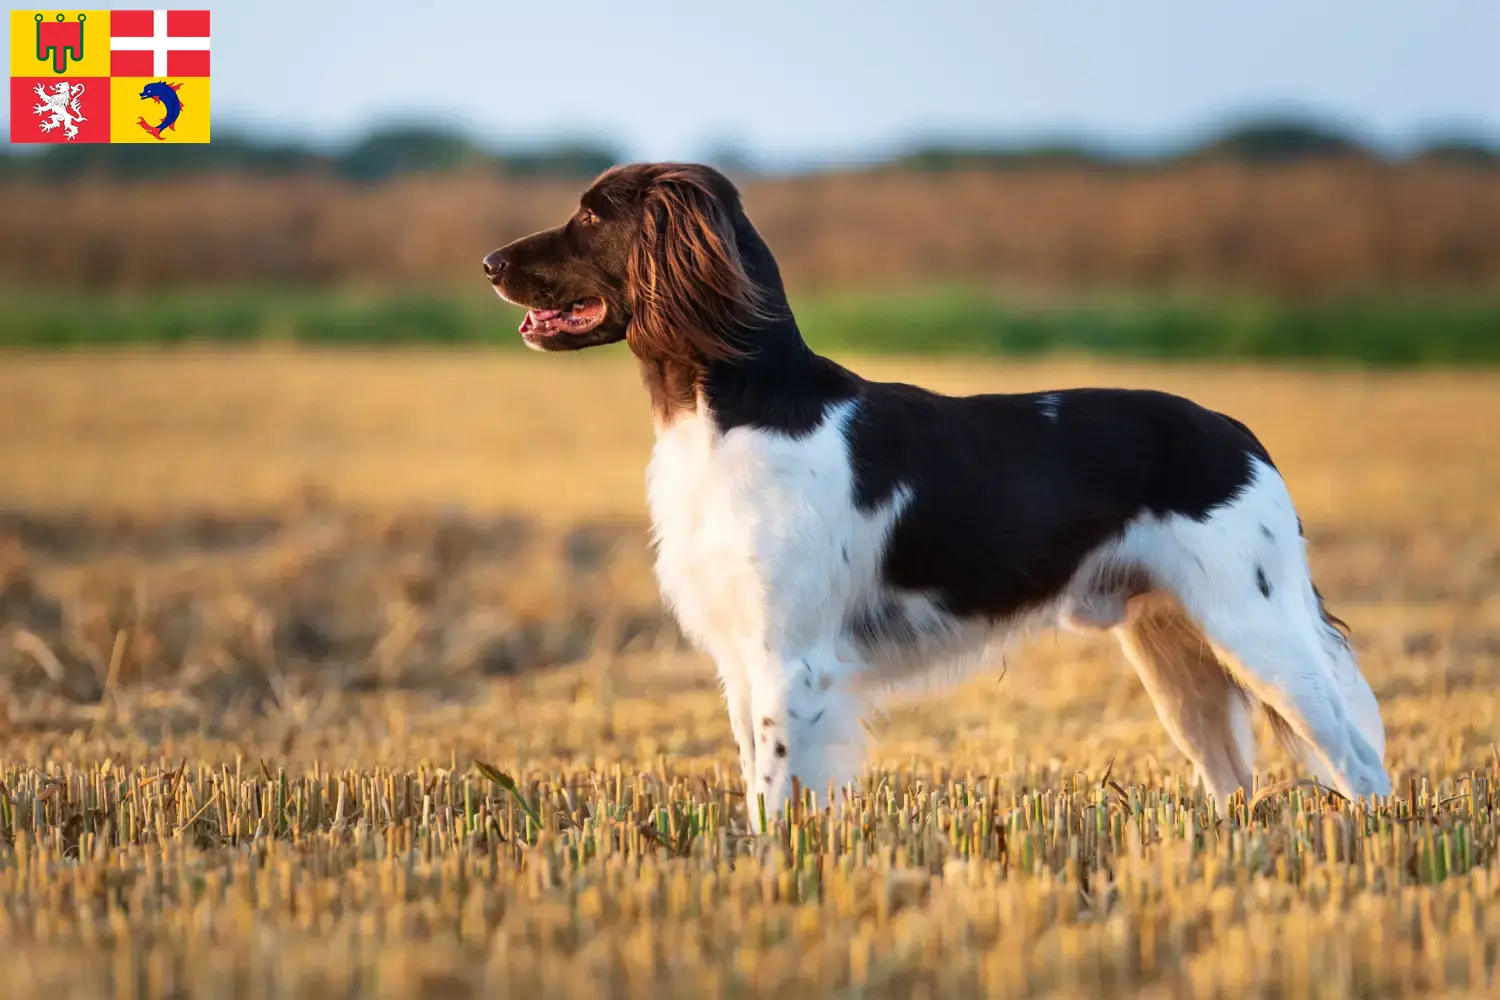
column 587, row 218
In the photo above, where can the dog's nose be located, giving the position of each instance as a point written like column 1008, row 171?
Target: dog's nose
column 494, row 264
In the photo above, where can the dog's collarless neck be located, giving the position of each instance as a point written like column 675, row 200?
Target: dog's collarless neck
column 783, row 386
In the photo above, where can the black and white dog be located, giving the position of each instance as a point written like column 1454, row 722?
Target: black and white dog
column 825, row 538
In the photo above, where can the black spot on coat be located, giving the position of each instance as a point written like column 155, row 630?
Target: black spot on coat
column 1262, row 582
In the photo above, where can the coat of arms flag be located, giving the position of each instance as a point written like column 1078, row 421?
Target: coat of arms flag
column 109, row 76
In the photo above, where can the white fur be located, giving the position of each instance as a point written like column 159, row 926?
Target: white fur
column 764, row 557
column 1049, row 404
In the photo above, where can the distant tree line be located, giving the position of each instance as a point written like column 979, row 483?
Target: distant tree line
column 382, row 154
column 1265, row 141
column 399, row 151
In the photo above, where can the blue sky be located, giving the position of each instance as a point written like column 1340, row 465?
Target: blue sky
column 796, row 81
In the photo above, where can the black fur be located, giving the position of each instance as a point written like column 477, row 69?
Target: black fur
column 1006, row 502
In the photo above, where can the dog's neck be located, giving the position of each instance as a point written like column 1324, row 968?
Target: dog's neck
column 777, row 383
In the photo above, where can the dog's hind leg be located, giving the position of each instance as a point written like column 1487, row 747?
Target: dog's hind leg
column 1241, row 574
column 1202, row 709
column 1286, row 670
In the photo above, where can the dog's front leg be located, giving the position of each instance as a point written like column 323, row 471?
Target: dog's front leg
column 737, row 698
column 808, row 725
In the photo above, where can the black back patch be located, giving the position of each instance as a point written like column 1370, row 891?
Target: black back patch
column 1005, row 503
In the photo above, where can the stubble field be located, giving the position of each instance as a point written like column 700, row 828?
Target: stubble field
column 336, row 674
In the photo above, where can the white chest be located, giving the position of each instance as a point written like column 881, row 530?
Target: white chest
column 758, row 540
column 763, row 555
column 703, row 520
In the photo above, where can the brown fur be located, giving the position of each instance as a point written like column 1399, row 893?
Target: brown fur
column 1194, row 693
column 690, row 293
column 662, row 246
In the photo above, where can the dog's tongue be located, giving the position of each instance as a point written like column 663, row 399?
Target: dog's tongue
column 536, row 318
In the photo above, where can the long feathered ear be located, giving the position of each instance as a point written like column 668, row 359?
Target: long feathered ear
column 691, row 292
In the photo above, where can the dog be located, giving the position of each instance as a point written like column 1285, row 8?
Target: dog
column 826, row 539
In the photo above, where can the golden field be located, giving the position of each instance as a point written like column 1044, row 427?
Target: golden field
column 279, row 630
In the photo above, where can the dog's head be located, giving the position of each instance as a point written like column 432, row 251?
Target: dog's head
column 652, row 256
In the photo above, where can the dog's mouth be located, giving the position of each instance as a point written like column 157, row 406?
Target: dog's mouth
column 572, row 320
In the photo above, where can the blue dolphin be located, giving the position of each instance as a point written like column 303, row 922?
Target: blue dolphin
column 164, row 94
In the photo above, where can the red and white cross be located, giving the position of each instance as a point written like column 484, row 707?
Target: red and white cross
column 158, row 43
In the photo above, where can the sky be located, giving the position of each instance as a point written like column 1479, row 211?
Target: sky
column 826, row 80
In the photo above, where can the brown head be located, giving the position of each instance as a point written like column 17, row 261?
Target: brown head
column 655, row 255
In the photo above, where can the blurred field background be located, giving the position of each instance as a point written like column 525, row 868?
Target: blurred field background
column 331, row 661
column 1274, row 239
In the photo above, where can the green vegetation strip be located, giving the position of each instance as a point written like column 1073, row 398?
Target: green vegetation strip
column 1419, row 331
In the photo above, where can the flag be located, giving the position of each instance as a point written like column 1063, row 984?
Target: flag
column 109, row 76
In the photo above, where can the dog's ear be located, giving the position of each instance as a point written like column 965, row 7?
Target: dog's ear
column 691, row 293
